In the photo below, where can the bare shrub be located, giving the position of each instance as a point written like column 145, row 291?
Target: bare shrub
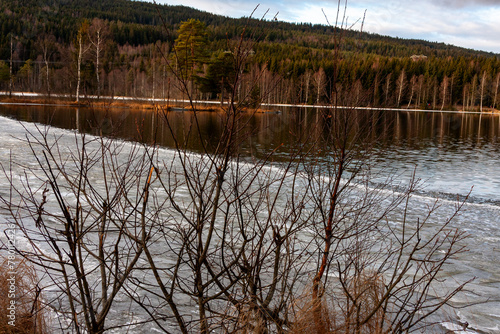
column 80, row 209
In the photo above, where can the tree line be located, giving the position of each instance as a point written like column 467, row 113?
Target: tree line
column 117, row 48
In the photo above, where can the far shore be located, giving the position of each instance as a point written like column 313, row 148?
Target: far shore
column 62, row 100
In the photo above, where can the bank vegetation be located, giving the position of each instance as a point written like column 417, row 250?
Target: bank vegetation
column 117, row 49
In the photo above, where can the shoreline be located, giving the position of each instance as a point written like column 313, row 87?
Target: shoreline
column 117, row 102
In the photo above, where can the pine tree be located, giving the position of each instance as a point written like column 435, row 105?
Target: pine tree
column 191, row 47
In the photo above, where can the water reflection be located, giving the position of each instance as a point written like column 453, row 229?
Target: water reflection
column 453, row 151
column 265, row 130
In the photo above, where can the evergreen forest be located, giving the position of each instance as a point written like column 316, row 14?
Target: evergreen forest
column 122, row 47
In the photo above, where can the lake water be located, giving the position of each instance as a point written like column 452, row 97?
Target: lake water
column 453, row 153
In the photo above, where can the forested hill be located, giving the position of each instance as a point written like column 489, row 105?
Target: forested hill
column 38, row 37
column 138, row 23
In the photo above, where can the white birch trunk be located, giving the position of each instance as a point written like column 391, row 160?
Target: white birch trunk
column 496, row 91
column 79, row 63
column 401, row 81
column 483, row 81
column 98, row 54
column 10, row 67
column 445, row 89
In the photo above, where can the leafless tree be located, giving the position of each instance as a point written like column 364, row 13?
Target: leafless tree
column 319, row 82
column 82, row 48
column 495, row 90
column 401, row 85
column 484, row 79
column 444, row 91
column 81, row 211
column 387, row 89
column 11, row 76
column 413, row 85
column 98, row 33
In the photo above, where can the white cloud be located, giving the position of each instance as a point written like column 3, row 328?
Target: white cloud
column 467, row 23
column 475, row 27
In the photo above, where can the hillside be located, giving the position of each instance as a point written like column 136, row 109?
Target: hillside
column 44, row 33
column 140, row 24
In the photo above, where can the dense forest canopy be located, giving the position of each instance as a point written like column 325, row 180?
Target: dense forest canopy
column 41, row 51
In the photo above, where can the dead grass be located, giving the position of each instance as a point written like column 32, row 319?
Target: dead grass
column 352, row 311
column 19, row 288
column 132, row 104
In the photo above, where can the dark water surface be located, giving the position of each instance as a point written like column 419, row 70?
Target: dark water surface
column 452, row 152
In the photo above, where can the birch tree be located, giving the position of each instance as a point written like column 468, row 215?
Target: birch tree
column 82, row 47
column 319, row 81
column 473, row 91
column 47, row 44
column 11, row 76
column 386, row 88
column 98, row 33
column 307, row 84
column 400, row 84
column 495, row 90
column 413, row 83
column 484, row 79
column 444, row 91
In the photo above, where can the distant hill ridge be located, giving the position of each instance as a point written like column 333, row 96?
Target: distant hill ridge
column 140, row 24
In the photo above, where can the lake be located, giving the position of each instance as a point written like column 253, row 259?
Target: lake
column 453, row 153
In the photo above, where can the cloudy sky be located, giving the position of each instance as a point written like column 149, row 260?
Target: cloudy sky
column 469, row 23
